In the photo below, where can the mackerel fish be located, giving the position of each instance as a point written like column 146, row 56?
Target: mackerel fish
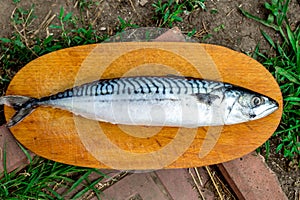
column 152, row 101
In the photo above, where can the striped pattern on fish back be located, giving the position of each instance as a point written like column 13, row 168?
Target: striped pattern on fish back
column 141, row 85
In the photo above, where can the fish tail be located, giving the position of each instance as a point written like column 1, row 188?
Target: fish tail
column 23, row 106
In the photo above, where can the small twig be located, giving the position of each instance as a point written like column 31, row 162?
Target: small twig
column 12, row 14
column 99, row 12
column 278, row 166
column 55, row 187
column 199, row 177
column 2, row 56
column 75, row 4
column 132, row 5
column 230, row 12
column 196, row 183
column 46, row 22
column 225, row 189
column 202, row 32
column 214, row 182
column 23, row 35
column 27, row 18
column 204, row 27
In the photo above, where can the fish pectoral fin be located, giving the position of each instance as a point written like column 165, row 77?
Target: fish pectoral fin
column 206, row 98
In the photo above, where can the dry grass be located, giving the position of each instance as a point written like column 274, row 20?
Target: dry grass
column 211, row 182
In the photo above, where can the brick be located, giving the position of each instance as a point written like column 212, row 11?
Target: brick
column 140, row 186
column 178, row 183
column 172, row 35
column 251, row 178
column 15, row 158
column 171, row 184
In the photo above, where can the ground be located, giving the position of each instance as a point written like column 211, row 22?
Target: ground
column 221, row 23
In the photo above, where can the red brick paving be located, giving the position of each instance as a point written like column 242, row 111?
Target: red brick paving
column 251, row 178
column 15, row 158
column 158, row 185
column 179, row 183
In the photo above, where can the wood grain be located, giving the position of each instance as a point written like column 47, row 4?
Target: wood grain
column 58, row 135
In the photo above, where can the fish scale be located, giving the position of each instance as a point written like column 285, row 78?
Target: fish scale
column 154, row 101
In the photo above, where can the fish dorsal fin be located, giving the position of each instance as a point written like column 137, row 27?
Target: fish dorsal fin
column 206, row 98
column 175, row 76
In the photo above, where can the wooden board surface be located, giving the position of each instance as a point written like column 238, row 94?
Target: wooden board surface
column 58, row 135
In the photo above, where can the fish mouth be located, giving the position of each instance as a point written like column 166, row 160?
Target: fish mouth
column 268, row 111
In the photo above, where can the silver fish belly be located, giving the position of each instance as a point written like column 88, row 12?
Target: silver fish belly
column 153, row 101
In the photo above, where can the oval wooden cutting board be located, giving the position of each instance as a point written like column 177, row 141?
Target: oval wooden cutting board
column 58, row 135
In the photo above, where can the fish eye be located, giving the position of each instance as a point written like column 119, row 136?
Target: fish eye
column 256, row 101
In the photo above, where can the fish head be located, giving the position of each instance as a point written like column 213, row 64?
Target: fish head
column 246, row 105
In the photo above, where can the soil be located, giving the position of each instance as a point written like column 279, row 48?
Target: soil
column 221, row 23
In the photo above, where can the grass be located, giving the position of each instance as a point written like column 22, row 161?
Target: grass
column 25, row 45
column 285, row 67
column 125, row 24
column 167, row 13
column 42, row 178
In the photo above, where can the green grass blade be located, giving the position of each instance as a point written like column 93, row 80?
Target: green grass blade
column 269, row 39
column 264, row 22
column 292, row 99
column 284, row 11
column 33, row 179
column 282, row 53
column 298, row 55
column 286, row 130
column 67, row 17
column 79, row 181
column 54, row 193
column 289, row 75
column 279, row 147
column 6, row 175
column 267, row 147
column 5, row 40
column 90, row 186
column 25, row 152
column 291, row 38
